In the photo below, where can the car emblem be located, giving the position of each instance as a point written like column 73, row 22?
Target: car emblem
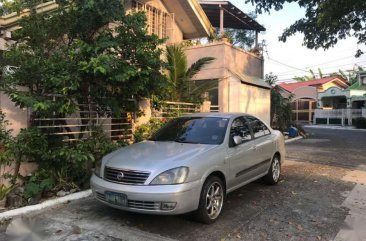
column 120, row 176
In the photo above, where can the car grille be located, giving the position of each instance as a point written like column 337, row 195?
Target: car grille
column 129, row 177
column 143, row 205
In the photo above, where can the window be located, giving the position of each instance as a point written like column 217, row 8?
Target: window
column 259, row 128
column 157, row 20
column 240, row 127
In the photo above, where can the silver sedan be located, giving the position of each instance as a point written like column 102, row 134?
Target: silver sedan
column 189, row 165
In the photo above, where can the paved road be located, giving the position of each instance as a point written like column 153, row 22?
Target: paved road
column 344, row 148
column 308, row 204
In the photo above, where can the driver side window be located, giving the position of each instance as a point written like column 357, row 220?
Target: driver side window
column 240, row 127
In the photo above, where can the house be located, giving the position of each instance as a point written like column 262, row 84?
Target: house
column 328, row 100
column 239, row 74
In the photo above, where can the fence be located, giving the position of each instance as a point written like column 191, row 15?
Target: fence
column 169, row 109
column 81, row 125
column 337, row 116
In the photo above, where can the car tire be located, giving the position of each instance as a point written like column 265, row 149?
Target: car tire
column 211, row 200
column 274, row 172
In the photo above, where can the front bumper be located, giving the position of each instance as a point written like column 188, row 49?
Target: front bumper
column 148, row 198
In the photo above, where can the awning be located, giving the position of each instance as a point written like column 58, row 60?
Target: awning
column 233, row 16
column 251, row 80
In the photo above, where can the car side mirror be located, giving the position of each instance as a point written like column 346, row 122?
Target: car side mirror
column 237, row 140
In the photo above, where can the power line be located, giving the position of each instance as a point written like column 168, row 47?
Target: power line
column 335, row 66
column 317, row 65
column 326, row 74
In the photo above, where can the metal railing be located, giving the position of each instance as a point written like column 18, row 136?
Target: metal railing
column 169, row 109
column 214, row 108
column 82, row 124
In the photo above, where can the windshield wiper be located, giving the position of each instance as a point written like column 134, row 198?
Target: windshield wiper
column 182, row 141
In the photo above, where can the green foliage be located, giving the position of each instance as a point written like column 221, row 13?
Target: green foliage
column 145, row 131
column 281, row 111
column 29, row 145
column 360, row 123
column 182, row 87
column 4, row 190
column 38, row 183
column 325, row 22
column 242, row 38
column 84, row 52
column 71, row 164
column 312, row 76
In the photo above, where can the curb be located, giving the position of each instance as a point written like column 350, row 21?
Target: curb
column 49, row 203
column 293, row 139
column 333, row 128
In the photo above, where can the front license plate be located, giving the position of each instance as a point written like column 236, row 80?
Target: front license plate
column 115, row 198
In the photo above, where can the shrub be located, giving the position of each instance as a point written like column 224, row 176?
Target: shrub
column 145, row 131
column 360, row 123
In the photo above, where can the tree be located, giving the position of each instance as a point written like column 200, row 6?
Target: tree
column 351, row 75
column 281, row 111
column 325, row 22
column 84, row 53
column 183, row 88
column 242, row 38
column 312, row 76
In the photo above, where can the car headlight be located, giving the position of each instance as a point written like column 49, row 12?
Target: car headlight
column 173, row 176
column 98, row 167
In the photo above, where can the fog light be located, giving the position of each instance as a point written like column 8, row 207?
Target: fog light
column 168, row 206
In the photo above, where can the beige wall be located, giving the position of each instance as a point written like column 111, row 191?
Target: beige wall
column 226, row 57
column 305, row 92
column 238, row 97
column 233, row 95
column 18, row 118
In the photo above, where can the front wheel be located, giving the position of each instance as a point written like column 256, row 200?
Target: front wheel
column 274, row 171
column 211, row 200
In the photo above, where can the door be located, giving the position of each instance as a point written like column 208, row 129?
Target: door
column 263, row 144
column 241, row 157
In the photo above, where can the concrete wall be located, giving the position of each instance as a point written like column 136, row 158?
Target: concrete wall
column 226, row 57
column 305, row 92
column 234, row 96
column 18, row 118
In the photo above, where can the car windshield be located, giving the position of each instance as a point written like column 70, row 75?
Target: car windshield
column 196, row 130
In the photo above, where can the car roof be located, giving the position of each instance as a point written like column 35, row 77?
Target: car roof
column 217, row 114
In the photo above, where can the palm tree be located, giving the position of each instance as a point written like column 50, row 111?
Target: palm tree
column 180, row 75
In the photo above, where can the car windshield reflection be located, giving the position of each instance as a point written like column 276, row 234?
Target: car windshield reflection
column 193, row 130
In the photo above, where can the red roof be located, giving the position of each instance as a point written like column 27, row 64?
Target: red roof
column 290, row 87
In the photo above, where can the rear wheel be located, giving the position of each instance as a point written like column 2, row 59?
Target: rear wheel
column 211, row 200
column 274, row 172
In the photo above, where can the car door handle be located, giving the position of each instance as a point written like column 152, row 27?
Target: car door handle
column 255, row 147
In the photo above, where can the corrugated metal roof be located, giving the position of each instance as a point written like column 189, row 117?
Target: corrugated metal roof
column 233, row 16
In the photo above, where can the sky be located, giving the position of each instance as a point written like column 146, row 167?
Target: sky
column 290, row 59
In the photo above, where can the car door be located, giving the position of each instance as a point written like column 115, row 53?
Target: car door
column 241, row 157
column 262, row 143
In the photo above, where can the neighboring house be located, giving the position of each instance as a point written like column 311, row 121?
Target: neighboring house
column 304, row 95
column 327, row 100
column 239, row 74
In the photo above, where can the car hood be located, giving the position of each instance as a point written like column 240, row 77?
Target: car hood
column 154, row 155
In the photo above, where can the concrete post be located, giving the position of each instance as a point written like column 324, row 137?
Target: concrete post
column 221, row 20
column 349, row 116
column 145, row 108
column 206, row 106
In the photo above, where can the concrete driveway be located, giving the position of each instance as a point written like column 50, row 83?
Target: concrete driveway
column 320, row 197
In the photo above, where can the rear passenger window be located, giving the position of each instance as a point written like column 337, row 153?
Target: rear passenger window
column 258, row 127
column 240, row 127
